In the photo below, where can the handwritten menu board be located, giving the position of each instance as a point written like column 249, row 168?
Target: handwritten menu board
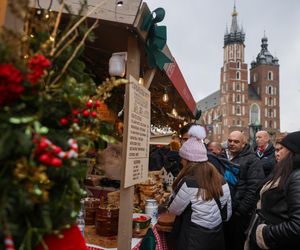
column 138, row 137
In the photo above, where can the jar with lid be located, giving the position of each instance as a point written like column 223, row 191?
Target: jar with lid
column 151, row 209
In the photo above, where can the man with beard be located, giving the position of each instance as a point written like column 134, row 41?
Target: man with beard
column 265, row 151
column 251, row 174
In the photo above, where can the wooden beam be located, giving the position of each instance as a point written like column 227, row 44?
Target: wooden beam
column 3, row 10
column 127, row 194
column 148, row 77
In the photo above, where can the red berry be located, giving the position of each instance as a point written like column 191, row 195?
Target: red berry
column 43, row 145
column 86, row 113
column 75, row 111
column 64, row 121
column 98, row 103
column 75, row 120
column 56, row 150
column 56, row 162
column 89, row 103
column 45, row 158
column 94, row 114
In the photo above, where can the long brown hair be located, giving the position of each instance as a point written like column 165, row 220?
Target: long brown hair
column 282, row 170
column 208, row 178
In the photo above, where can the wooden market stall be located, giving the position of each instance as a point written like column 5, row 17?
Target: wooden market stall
column 129, row 28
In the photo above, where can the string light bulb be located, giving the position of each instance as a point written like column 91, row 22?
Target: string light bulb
column 165, row 96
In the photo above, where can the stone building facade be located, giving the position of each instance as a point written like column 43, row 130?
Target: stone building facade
column 239, row 105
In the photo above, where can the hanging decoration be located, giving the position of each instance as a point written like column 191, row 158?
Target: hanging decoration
column 157, row 38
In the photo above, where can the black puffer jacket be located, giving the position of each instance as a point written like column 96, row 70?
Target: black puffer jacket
column 250, row 178
column 281, row 209
column 267, row 159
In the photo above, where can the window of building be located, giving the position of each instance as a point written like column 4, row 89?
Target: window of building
column 238, row 98
column 238, row 86
column 270, row 113
column 238, row 75
column 270, row 101
column 238, row 110
column 238, row 53
column 270, row 124
column 255, row 77
column 254, row 114
column 238, row 122
column 270, row 75
column 230, row 52
column 238, row 64
column 270, row 90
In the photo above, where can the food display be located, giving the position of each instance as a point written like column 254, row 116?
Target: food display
column 140, row 224
column 107, row 220
column 90, row 207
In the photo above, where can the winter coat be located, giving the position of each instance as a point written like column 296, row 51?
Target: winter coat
column 267, row 159
column 172, row 162
column 278, row 223
column 250, row 177
column 200, row 222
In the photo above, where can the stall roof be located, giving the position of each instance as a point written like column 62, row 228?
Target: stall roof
column 111, row 35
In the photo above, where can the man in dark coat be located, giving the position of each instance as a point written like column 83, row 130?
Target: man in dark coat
column 265, row 151
column 251, row 174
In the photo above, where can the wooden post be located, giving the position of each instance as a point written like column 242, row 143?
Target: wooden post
column 8, row 19
column 127, row 194
column 3, row 9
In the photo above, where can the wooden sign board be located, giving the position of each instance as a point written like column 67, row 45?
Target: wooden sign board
column 99, row 9
column 138, row 136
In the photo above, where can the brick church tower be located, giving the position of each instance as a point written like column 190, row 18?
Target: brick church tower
column 234, row 81
column 238, row 105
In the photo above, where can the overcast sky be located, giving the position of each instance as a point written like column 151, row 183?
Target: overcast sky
column 196, row 29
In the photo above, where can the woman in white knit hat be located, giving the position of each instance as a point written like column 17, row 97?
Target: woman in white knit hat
column 201, row 198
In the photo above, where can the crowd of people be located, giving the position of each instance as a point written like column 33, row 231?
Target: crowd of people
column 238, row 197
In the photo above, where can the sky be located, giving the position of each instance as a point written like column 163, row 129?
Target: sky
column 195, row 36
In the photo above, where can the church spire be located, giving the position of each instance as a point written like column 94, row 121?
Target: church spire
column 236, row 34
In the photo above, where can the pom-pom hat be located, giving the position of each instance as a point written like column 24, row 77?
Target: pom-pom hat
column 193, row 149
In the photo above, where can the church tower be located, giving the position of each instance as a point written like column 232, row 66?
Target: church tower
column 264, row 80
column 234, row 81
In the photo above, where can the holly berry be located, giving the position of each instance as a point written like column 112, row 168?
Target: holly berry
column 45, row 158
column 56, row 162
column 98, row 103
column 75, row 120
column 63, row 121
column 89, row 103
column 94, row 114
column 75, row 112
column 56, row 150
column 86, row 113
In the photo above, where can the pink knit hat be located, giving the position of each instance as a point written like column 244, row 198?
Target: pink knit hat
column 193, row 149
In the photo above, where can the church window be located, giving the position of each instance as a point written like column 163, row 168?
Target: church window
column 238, row 75
column 270, row 124
column 238, row 110
column 254, row 114
column 270, row 90
column 238, row 64
column 254, row 77
column 270, row 101
column 238, row 86
column 238, row 98
column 230, row 52
column 270, row 113
column 238, row 54
column 238, row 122
column 270, row 75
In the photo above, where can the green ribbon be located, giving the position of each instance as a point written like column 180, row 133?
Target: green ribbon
column 157, row 38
